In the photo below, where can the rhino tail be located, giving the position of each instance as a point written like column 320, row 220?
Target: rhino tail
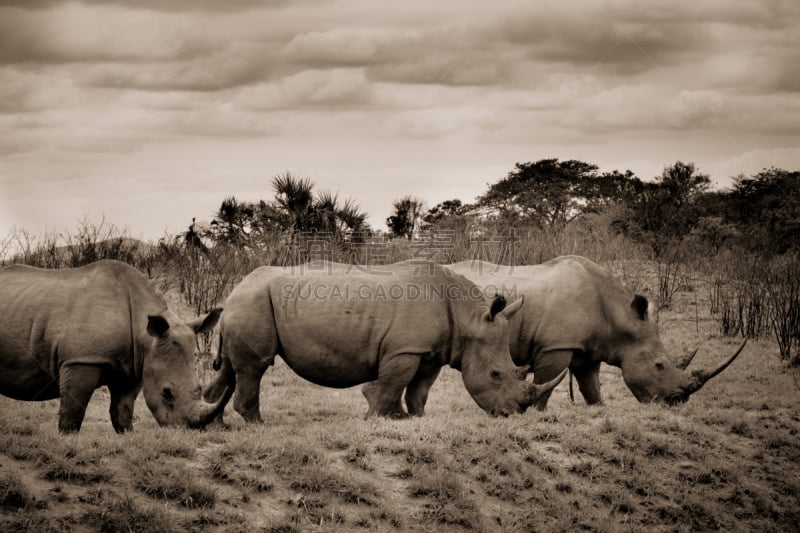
column 571, row 391
column 224, row 381
column 217, row 364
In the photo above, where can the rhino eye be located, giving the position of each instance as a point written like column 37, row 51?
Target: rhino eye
column 169, row 399
column 495, row 375
column 660, row 366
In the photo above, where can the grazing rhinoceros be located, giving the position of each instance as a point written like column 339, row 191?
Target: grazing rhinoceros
column 576, row 315
column 64, row 333
column 338, row 327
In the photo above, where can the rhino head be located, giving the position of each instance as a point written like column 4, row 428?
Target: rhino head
column 170, row 385
column 489, row 373
column 652, row 376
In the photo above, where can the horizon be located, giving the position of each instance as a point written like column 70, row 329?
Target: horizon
column 164, row 109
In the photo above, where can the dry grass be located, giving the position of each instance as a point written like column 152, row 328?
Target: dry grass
column 729, row 459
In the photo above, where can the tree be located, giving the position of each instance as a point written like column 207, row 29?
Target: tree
column 443, row 211
column 353, row 220
column 296, row 209
column 306, row 211
column 405, row 216
column 233, row 222
column 668, row 207
column 766, row 208
column 551, row 193
column 683, row 182
column 295, row 198
column 609, row 188
column 240, row 223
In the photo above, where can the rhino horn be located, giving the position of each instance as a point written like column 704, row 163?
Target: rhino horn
column 700, row 377
column 205, row 412
column 537, row 391
column 683, row 363
column 521, row 372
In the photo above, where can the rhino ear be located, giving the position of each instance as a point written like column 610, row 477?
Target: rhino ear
column 204, row 324
column 509, row 311
column 639, row 305
column 498, row 304
column 157, row 325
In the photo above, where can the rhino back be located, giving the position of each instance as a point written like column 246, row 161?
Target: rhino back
column 334, row 329
column 332, row 325
column 81, row 315
column 571, row 303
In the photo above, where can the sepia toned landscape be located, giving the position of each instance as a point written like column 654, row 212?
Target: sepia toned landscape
column 726, row 459
column 272, row 266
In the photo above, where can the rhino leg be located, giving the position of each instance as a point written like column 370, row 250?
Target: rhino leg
column 244, row 362
column 225, row 379
column 371, row 392
column 246, row 400
column 417, row 390
column 547, row 366
column 121, row 410
column 77, row 382
column 587, row 374
column 394, row 374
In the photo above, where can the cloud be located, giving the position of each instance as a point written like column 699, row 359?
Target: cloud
column 331, row 88
column 697, row 108
column 327, row 87
column 235, row 65
column 443, row 69
column 598, row 40
column 90, row 82
column 156, row 5
column 753, row 161
column 441, row 122
column 76, row 33
column 344, row 47
column 769, row 14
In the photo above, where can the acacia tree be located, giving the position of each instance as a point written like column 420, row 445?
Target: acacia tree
column 444, row 211
column 406, row 213
column 766, row 208
column 552, row 193
column 665, row 207
column 241, row 223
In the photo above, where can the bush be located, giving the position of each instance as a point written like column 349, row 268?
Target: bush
column 751, row 297
column 91, row 242
column 782, row 288
column 738, row 299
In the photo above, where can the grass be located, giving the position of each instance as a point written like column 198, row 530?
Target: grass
column 126, row 514
column 168, row 483
column 728, row 459
column 14, row 495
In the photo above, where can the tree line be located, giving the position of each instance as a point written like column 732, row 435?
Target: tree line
column 743, row 242
column 760, row 213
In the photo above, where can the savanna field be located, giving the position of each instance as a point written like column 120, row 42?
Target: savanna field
column 728, row 460
column 658, row 140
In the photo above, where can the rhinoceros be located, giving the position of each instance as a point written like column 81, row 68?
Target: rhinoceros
column 66, row 332
column 576, row 315
column 338, row 326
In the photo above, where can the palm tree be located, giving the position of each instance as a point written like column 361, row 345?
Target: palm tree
column 294, row 196
column 325, row 210
column 405, row 216
column 351, row 216
column 234, row 221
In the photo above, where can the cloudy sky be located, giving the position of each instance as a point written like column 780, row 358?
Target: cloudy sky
column 150, row 112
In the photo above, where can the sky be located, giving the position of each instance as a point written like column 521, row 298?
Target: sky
column 147, row 113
